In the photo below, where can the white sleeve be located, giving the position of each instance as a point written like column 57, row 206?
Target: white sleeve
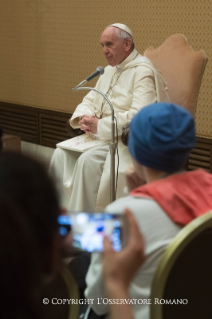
column 86, row 107
column 143, row 94
column 95, row 285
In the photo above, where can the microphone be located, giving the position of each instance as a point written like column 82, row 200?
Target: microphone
column 99, row 71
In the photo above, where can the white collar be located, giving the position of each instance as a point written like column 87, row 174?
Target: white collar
column 130, row 58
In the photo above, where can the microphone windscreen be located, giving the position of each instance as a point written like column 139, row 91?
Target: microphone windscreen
column 101, row 70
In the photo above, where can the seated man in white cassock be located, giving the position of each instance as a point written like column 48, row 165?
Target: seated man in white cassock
column 130, row 82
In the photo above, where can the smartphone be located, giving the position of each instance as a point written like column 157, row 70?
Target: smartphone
column 89, row 229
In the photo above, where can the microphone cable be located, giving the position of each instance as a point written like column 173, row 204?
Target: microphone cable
column 117, row 151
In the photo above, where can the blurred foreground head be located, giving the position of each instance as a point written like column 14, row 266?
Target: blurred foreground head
column 162, row 136
column 28, row 228
column 0, row 139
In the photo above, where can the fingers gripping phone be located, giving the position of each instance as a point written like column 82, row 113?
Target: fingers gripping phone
column 89, row 229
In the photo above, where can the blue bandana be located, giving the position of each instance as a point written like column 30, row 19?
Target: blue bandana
column 161, row 136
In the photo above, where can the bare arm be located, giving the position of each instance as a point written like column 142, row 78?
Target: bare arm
column 119, row 268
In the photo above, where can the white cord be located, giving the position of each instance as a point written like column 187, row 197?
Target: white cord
column 87, row 312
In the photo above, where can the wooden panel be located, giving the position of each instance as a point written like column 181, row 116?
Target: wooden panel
column 47, row 128
column 52, row 129
column 19, row 120
column 35, row 125
column 201, row 155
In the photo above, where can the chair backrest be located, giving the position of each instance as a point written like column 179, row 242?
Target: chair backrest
column 182, row 69
column 182, row 284
column 62, row 294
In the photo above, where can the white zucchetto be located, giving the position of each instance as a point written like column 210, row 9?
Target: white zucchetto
column 122, row 27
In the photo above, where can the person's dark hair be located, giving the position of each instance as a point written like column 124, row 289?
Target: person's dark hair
column 28, row 222
column 0, row 139
column 125, row 134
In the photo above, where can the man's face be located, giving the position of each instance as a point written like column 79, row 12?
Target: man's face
column 114, row 48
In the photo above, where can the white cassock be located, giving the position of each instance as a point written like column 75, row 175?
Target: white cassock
column 84, row 179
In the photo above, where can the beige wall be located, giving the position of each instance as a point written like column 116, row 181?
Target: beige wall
column 49, row 46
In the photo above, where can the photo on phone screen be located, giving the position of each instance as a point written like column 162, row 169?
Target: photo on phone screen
column 89, row 229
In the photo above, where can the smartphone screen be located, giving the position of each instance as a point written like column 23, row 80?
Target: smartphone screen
column 89, row 229
column 64, row 222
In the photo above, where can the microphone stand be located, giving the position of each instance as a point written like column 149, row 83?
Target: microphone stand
column 112, row 143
